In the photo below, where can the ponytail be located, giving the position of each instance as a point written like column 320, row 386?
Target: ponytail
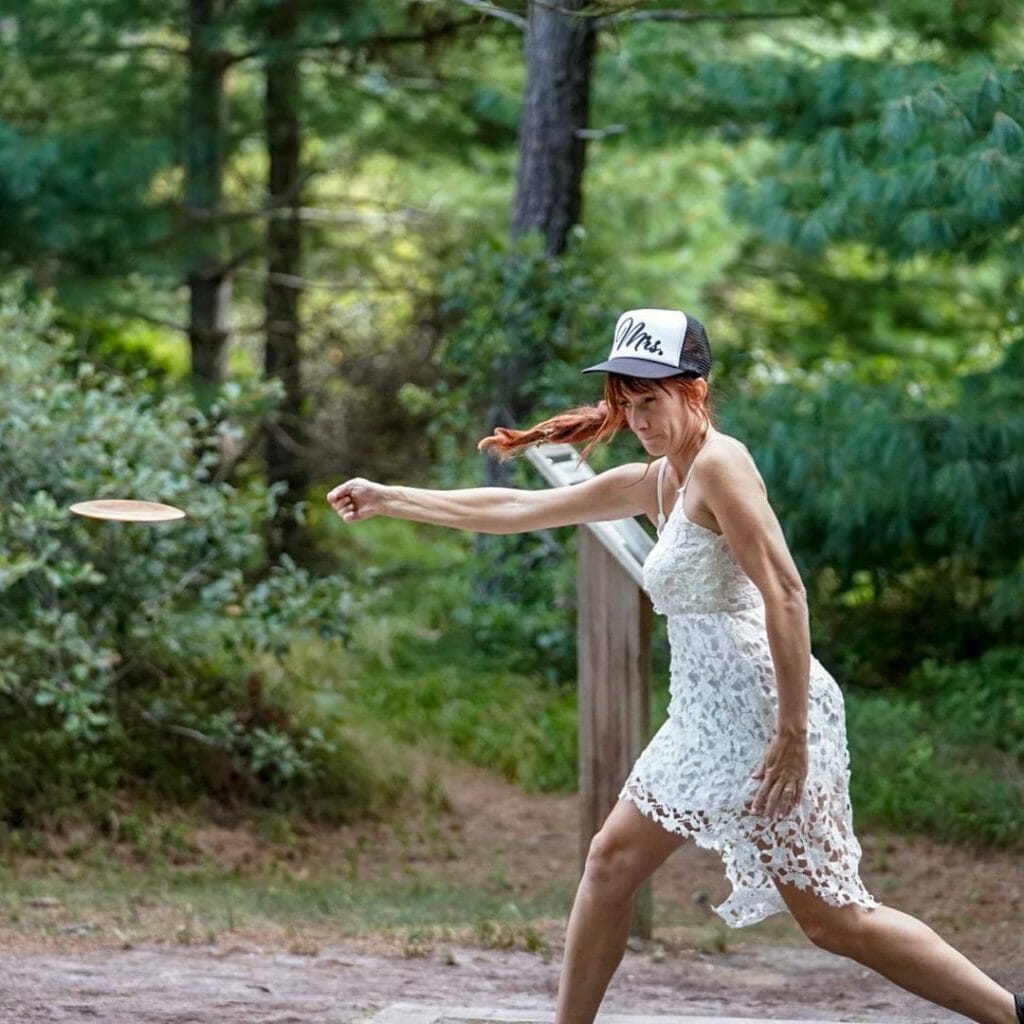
column 591, row 423
column 594, row 424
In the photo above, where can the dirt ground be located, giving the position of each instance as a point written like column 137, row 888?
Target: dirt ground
column 690, row 968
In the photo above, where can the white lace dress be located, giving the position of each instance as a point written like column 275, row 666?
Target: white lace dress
column 694, row 778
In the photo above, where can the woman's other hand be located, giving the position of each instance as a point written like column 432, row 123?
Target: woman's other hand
column 782, row 773
column 357, row 499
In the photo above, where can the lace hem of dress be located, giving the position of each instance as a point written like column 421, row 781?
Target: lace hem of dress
column 746, row 858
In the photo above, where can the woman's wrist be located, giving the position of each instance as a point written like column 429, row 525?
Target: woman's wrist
column 391, row 501
column 792, row 731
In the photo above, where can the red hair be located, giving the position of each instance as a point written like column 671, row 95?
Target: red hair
column 600, row 423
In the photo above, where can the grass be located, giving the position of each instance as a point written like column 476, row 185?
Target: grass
column 275, row 880
column 205, row 907
column 428, row 666
column 417, row 669
column 448, row 700
column 307, row 893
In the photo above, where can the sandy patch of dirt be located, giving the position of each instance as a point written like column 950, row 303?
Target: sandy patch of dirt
column 692, row 967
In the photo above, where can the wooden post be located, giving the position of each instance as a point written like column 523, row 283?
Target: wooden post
column 613, row 650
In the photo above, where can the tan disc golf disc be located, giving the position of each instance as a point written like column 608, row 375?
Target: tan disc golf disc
column 127, row 510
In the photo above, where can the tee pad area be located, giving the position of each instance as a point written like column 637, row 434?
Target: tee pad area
column 411, row 1013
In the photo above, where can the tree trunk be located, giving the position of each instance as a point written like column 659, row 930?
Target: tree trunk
column 208, row 280
column 285, row 446
column 560, row 47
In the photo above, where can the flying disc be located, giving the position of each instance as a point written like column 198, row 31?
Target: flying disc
column 126, row 510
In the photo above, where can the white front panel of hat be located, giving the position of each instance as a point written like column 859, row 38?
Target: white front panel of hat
column 652, row 334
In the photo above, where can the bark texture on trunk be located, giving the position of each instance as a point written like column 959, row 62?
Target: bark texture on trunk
column 209, row 282
column 560, row 46
column 286, row 455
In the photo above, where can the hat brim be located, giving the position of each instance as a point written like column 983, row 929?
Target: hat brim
column 643, row 368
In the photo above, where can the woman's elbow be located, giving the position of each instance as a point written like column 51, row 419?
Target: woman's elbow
column 788, row 592
column 794, row 594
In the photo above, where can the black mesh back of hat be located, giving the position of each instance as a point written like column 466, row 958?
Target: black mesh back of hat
column 696, row 350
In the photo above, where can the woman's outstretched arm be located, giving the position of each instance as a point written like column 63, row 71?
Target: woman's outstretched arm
column 616, row 494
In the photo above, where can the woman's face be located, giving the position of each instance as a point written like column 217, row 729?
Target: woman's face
column 660, row 418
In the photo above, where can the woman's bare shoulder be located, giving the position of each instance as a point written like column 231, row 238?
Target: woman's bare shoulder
column 728, row 460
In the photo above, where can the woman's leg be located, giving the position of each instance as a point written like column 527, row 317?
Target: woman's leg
column 625, row 853
column 905, row 951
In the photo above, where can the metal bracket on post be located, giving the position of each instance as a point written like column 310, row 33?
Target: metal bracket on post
column 613, row 654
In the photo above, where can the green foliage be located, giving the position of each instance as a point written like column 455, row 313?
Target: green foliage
column 899, row 511
column 980, row 703
column 469, row 704
column 948, row 757
column 65, row 202
column 123, row 646
column 130, row 654
column 154, row 357
column 516, row 316
column 917, row 481
column 516, row 307
column 525, row 615
column 907, row 157
column 945, row 758
column 426, row 666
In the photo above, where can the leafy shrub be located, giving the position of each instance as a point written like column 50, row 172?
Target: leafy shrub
column 127, row 651
column 948, row 758
column 979, row 702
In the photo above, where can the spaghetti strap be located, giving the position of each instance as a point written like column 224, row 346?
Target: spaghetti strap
column 661, row 493
column 689, row 472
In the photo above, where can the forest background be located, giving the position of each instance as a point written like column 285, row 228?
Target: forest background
column 253, row 247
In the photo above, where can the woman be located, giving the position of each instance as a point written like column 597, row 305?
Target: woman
column 752, row 760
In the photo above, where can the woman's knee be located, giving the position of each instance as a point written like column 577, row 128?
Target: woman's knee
column 839, row 930
column 614, row 866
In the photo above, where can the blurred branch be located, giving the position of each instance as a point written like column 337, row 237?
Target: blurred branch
column 298, row 281
column 493, row 11
column 230, row 462
column 319, row 215
column 316, row 215
column 179, row 730
column 600, row 133
column 440, row 31
column 138, row 314
column 693, row 17
column 236, row 261
column 95, row 50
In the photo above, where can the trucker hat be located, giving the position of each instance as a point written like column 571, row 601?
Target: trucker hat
column 657, row 343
